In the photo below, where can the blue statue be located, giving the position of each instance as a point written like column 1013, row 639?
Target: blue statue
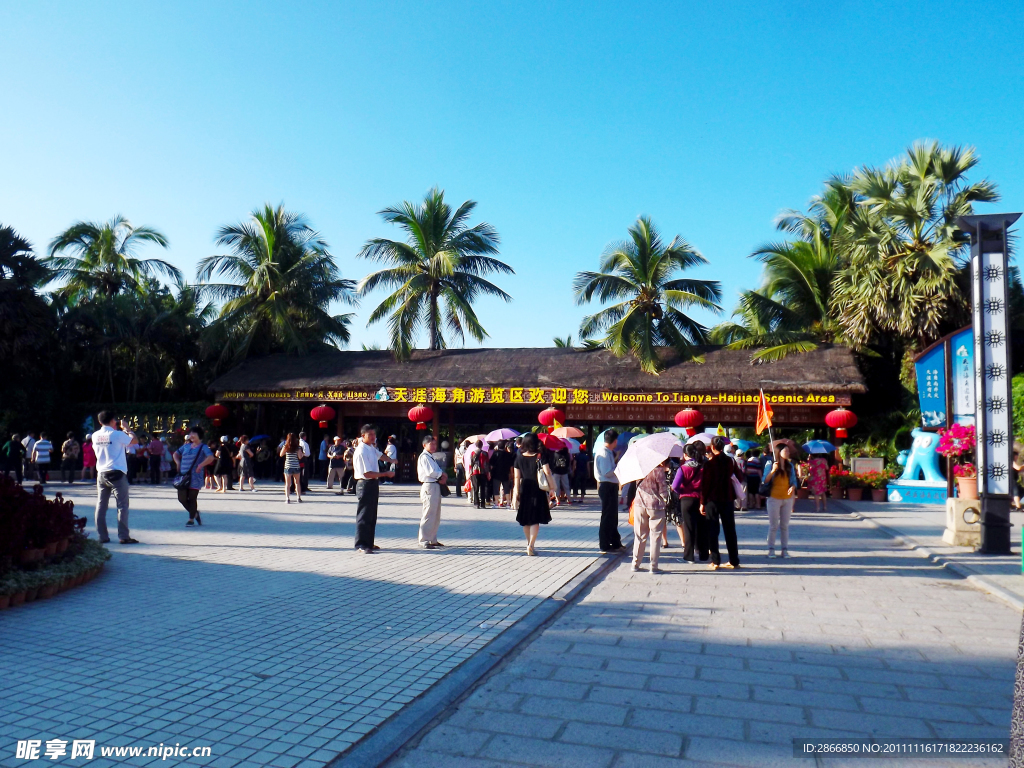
column 922, row 458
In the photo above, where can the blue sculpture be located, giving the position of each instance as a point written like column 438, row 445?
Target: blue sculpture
column 922, row 457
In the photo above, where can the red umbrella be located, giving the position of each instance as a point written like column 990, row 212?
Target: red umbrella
column 551, row 442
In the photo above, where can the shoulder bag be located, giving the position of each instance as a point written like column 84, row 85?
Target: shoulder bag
column 542, row 476
column 765, row 488
column 184, row 479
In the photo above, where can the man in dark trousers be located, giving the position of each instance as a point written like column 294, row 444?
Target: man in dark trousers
column 365, row 469
column 716, row 503
column 608, row 491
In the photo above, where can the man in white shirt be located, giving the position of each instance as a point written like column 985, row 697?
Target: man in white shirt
column 390, row 457
column 431, row 476
column 608, row 536
column 109, row 444
column 29, row 441
column 306, row 462
column 367, row 474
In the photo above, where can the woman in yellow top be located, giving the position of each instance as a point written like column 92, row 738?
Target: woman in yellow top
column 780, row 474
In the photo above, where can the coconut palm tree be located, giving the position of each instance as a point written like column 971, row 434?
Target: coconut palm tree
column 901, row 248
column 282, row 283
column 24, row 314
column 100, row 259
column 436, row 274
column 640, row 274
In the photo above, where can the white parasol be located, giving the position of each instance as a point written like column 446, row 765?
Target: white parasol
column 645, row 454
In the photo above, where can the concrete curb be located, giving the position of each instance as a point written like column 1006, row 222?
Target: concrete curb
column 388, row 738
column 976, row 580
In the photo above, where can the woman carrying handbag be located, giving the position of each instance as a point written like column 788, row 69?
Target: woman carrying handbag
column 531, row 491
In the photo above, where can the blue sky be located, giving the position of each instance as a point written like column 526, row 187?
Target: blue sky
column 564, row 121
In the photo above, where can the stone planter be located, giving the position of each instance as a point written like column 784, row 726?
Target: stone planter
column 17, row 599
column 29, row 556
column 854, row 494
column 968, row 488
column 62, row 545
column 803, row 493
column 836, row 491
column 50, row 549
column 879, row 494
column 31, row 594
column 48, row 591
column 5, row 601
column 959, row 532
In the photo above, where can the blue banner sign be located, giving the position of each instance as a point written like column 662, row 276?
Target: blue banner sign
column 931, row 386
column 962, row 348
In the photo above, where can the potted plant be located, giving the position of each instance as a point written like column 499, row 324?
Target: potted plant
column 854, row 486
column 876, row 483
column 966, row 475
column 837, row 481
column 958, row 443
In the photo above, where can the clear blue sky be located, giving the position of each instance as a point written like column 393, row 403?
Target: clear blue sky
column 564, row 121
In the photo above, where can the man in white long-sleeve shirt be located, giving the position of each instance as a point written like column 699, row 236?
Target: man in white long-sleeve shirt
column 431, row 476
column 608, row 491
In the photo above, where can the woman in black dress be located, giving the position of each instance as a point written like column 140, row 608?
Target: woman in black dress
column 224, row 467
column 530, row 501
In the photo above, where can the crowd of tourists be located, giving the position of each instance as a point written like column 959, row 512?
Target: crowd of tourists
column 698, row 494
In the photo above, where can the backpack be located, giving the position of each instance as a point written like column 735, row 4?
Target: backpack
column 561, row 461
column 475, row 463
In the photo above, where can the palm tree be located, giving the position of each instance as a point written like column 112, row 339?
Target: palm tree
column 792, row 311
column 283, row 282
column 901, row 247
column 436, row 274
column 639, row 273
column 565, row 343
column 24, row 314
column 99, row 259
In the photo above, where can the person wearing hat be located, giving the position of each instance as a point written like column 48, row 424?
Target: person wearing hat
column 335, row 454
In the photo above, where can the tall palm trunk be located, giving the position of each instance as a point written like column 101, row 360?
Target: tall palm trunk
column 435, row 337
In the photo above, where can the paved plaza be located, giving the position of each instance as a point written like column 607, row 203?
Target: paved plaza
column 854, row 637
column 263, row 636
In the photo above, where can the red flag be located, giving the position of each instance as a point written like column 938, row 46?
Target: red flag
column 764, row 414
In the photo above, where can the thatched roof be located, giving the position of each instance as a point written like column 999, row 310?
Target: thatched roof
column 827, row 369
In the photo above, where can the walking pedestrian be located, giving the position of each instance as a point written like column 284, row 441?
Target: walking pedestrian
column 561, row 464
column 41, row 451
column 157, row 451
column 292, row 454
column 432, row 477
column 132, row 456
column 322, row 468
column 13, row 455
column 501, row 474
column 246, row 459
column 817, row 481
column 88, row 459
column 689, row 522
column 609, row 539
column 717, row 496
column 580, row 475
column 193, row 456
column 336, row 463
column 391, row 458
column 109, row 442
column 460, row 469
column 29, row 443
column 479, row 473
column 752, row 470
column 305, row 464
column 780, row 476
column 70, row 450
column 649, row 516
column 348, row 478
column 224, row 465
column 530, row 500
column 368, row 474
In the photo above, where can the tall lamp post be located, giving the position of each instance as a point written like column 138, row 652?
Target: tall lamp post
column 992, row 373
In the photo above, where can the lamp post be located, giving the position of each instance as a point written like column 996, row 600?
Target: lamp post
column 992, row 372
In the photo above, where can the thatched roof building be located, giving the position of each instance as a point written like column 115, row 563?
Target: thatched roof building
column 593, row 386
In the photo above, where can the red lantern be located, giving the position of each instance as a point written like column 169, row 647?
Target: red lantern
column 690, row 418
column 217, row 412
column 841, row 420
column 421, row 414
column 323, row 414
column 549, row 416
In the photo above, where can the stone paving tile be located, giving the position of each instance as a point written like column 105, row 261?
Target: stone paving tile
column 263, row 630
column 851, row 638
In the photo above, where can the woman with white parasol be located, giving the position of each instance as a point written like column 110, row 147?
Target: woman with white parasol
column 646, row 461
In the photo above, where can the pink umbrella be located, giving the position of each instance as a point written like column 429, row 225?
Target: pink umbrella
column 501, row 434
column 567, row 432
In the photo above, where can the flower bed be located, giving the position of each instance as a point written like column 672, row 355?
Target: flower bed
column 40, row 551
column 80, row 562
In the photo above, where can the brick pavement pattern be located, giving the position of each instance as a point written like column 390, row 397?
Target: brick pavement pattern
column 853, row 637
column 261, row 633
